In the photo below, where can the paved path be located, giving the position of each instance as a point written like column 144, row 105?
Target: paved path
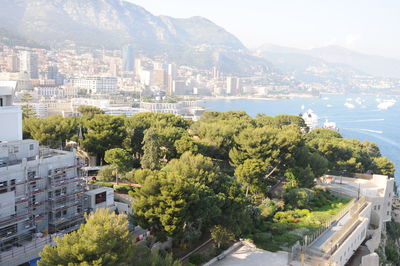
column 246, row 256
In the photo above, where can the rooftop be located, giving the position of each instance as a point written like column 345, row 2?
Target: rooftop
column 44, row 153
column 354, row 187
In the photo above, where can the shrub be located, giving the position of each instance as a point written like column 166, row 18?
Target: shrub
column 299, row 198
column 197, row 259
column 103, row 184
column 106, row 173
column 292, row 216
column 392, row 254
column 262, row 237
column 123, row 189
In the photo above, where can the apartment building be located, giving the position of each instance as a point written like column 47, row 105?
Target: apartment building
column 96, row 85
column 41, row 190
column 358, row 226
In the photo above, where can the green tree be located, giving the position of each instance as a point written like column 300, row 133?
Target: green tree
column 300, row 177
column 120, row 159
column 188, row 196
column 221, row 235
column 27, row 109
column 384, row 166
column 103, row 240
column 151, row 147
column 139, row 123
column 186, row 144
column 88, row 111
column 106, row 173
column 104, row 132
column 218, row 129
column 277, row 148
column 251, row 175
column 52, row 131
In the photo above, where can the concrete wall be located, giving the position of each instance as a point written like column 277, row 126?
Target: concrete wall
column 92, row 198
column 11, row 120
column 347, row 249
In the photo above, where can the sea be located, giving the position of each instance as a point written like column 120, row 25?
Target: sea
column 363, row 117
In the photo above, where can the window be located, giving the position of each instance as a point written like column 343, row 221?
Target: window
column 58, row 214
column 31, row 147
column 57, row 192
column 64, row 212
column 49, row 172
column 8, row 231
column 379, row 207
column 100, row 197
column 12, row 182
column 3, row 187
column 388, row 212
column 50, row 194
column 1, row 101
column 31, row 174
column 64, row 190
column 16, row 149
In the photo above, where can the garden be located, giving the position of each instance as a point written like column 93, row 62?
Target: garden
column 300, row 213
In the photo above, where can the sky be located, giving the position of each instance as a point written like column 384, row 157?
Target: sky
column 368, row 26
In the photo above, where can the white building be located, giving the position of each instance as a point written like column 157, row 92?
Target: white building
column 359, row 223
column 232, row 86
column 41, row 190
column 187, row 109
column 97, row 85
column 10, row 116
column 29, row 64
column 311, row 119
column 49, row 92
column 102, row 197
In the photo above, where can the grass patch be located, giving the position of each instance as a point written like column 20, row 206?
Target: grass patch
column 283, row 229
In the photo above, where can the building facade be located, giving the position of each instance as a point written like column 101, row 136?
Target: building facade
column 28, row 62
column 97, row 85
column 41, row 190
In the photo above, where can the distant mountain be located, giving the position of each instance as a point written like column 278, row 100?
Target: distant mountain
column 113, row 23
column 304, row 66
column 371, row 64
column 335, row 60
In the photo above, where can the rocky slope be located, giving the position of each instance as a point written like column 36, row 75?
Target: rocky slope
column 113, row 23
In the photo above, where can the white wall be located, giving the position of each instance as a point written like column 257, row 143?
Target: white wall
column 7, row 204
column 347, row 249
column 11, row 123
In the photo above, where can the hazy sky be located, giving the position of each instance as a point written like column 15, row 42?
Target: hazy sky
column 370, row 26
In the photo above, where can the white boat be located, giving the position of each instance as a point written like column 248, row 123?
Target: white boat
column 349, row 105
column 386, row 104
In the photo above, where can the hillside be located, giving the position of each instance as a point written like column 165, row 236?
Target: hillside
column 114, row 23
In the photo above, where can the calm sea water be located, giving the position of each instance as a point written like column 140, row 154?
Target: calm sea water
column 356, row 116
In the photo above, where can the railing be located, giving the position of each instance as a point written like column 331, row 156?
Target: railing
column 309, row 239
column 68, row 218
column 27, row 248
column 349, row 226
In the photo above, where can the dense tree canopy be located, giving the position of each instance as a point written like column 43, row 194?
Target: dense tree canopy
column 103, row 240
column 184, row 197
column 51, row 131
column 104, row 132
column 209, row 175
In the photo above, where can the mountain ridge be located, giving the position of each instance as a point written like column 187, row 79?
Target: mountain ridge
column 114, row 23
column 334, row 55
